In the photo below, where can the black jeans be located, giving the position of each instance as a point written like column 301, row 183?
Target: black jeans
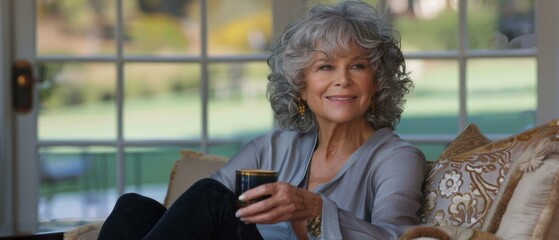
column 205, row 211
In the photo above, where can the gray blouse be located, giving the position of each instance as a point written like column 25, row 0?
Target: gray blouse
column 374, row 195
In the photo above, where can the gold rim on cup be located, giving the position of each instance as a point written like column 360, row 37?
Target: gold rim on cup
column 256, row 172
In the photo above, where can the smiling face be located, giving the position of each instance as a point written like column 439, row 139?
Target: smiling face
column 339, row 89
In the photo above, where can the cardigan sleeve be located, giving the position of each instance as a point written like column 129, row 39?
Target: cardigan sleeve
column 396, row 186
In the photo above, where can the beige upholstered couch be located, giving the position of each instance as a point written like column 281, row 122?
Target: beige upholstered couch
column 476, row 189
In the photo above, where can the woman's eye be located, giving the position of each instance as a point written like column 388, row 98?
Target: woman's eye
column 358, row 66
column 325, row 67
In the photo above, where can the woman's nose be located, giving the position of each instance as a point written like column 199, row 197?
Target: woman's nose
column 343, row 78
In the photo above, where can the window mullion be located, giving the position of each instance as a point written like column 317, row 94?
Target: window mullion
column 120, row 158
column 462, row 64
column 204, row 74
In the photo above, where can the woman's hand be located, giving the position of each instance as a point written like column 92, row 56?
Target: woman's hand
column 286, row 203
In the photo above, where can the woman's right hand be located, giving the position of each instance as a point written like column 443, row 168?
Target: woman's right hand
column 286, row 203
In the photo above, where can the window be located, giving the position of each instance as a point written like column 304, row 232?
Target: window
column 124, row 85
column 471, row 61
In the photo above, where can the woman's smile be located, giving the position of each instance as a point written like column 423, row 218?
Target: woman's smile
column 341, row 99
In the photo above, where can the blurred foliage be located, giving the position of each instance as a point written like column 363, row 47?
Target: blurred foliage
column 438, row 33
column 75, row 14
column 151, row 33
column 234, row 34
column 75, row 84
column 150, row 79
column 441, row 32
column 482, row 24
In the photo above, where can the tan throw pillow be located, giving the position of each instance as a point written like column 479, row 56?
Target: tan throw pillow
column 191, row 167
column 460, row 189
column 526, row 207
column 467, row 140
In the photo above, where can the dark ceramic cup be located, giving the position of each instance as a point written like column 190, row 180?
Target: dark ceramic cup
column 251, row 178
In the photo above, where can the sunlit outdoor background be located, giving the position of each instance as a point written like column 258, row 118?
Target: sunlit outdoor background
column 163, row 99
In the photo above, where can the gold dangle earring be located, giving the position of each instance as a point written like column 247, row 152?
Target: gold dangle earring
column 301, row 107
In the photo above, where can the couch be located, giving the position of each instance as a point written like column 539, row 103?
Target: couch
column 476, row 189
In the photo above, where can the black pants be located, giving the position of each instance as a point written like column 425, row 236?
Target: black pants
column 205, row 211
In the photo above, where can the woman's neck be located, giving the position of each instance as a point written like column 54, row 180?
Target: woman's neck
column 336, row 143
column 336, row 140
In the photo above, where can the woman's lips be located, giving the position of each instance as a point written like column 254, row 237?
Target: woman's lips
column 341, row 99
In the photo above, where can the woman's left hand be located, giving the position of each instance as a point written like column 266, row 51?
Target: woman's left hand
column 286, row 203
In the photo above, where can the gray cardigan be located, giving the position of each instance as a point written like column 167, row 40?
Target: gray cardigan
column 374, row 195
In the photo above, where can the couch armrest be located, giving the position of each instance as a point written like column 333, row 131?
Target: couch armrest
column 446, row 233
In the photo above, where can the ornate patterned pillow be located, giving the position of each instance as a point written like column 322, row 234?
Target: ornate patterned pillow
column 467, row 140
column 527, row 207
column 460, row 188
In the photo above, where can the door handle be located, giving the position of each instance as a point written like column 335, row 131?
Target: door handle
column 22, row 86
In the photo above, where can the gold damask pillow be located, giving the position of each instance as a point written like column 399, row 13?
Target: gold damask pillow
column 467, row 140
column 460, row 189
column 527, row 205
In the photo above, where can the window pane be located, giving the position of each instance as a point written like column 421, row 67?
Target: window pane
column 501, row 94
column 76, row 183
column 426, row 25
column 76, row 101
column 162, row 100
column 502, row 24
column 159, row 27
column 432, row 107
column 226, row 149
column 148, row 169
column 431, row 151
column 75, row 27
column 238, row 108
column 239, row 26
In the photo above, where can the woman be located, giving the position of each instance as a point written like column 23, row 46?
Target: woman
column 337, row 87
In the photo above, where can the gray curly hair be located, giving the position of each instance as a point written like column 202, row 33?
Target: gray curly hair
column 336, row 28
